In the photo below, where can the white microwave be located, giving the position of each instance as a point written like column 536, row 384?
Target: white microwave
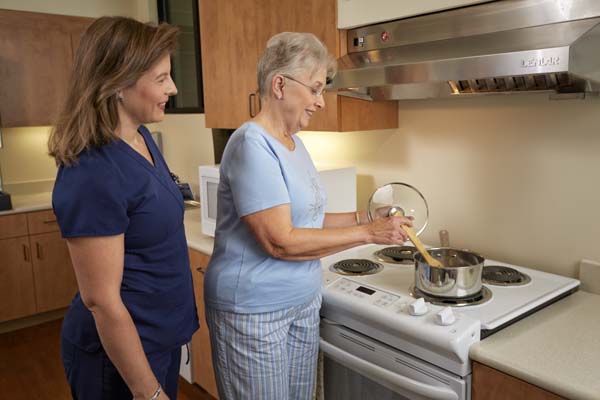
column 339, row 184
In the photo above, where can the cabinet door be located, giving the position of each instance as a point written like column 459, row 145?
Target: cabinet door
column 17, row 297
column 35, row 64
column 229, row 58
column 491, row 384
column 202, row 366
column 55, row 283
column 314, row 16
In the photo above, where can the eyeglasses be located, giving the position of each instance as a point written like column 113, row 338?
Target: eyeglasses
column 315, row 92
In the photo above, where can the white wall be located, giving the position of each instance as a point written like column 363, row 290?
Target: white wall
column 513, row 177
column 186, row 145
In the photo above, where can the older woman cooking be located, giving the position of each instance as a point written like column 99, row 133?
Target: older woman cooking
column 262, row 286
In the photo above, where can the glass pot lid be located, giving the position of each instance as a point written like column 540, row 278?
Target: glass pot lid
column 402, row 197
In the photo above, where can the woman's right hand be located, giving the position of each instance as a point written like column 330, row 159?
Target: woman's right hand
column 388, row 230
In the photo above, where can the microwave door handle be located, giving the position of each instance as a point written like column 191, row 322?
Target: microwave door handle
column 389, row 379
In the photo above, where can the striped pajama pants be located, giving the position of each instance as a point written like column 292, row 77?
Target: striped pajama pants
column 266, row 356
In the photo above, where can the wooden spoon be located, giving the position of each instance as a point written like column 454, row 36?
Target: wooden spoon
column 417, row 242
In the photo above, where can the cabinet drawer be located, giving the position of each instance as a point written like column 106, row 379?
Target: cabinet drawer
column 13, row 225
column 42, row 222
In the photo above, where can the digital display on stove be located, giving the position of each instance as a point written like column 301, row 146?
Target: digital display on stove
column 365, row 290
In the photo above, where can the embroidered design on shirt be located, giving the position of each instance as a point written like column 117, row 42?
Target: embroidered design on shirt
column 316, row 208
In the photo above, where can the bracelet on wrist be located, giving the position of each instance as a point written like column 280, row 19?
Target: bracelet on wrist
column 357, row 215
column 157, row 393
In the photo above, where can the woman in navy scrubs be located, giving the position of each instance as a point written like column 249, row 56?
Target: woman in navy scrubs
column 122, row 216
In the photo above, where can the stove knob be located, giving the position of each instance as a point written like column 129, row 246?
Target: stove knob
column 445, row 317
column 417, row 307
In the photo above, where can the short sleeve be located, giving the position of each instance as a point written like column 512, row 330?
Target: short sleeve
column 255, row 177
column 88, row 201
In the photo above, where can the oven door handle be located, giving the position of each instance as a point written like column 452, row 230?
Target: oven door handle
column 389, row 379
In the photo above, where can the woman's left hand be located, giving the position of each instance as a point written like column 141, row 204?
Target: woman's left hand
column 389, row 230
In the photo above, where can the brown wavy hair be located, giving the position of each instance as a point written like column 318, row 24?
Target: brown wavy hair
column 113, row 54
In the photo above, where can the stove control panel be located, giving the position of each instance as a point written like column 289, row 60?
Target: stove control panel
column 365, row 293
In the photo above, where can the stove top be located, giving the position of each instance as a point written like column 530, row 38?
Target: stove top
column 506, row 303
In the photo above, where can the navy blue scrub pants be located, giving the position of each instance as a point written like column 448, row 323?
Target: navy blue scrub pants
column 92, row 376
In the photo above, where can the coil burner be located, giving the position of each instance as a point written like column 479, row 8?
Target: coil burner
column 503, row 276
column 397, row 255
column 356, row 267
column 483, row 296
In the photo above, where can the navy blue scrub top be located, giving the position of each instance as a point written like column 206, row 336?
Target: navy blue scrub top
column 113, row 190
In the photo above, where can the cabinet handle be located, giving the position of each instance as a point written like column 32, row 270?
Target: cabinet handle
column 26, row 253
column 50, row 221
column 250, row 102
column 38, row 250
column 199, row 269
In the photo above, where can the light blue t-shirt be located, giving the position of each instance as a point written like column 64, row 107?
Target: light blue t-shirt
column 257, row 172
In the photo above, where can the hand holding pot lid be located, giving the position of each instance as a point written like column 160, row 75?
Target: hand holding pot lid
column 396, row 197
column 402, row 199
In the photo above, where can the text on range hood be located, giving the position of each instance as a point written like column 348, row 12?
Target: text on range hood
column 509, row 46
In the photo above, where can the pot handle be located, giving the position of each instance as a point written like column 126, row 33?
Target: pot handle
column 444, row 238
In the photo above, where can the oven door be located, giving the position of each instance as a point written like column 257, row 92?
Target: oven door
column 356, row 367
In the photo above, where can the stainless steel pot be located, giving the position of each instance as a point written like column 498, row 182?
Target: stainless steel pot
column 460, row 276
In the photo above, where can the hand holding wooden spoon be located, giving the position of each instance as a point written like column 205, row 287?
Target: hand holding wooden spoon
column 416, row 241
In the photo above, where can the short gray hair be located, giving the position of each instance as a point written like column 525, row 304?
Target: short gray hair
column 292, row 53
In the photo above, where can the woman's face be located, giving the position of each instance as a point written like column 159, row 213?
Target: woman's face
column 304, row 96
column 144, row 102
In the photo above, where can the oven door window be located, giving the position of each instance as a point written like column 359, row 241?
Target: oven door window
column 342, row 383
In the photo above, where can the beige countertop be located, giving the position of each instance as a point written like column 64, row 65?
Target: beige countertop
column 557, row 348
column 193, row 232
column 30, row 202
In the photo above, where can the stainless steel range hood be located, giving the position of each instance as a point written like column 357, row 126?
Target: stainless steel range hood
column 509, row 46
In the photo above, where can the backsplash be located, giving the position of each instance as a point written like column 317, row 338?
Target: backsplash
column 24, row 157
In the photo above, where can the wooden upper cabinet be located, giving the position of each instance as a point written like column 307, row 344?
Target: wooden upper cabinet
column 229, row 58
column 234, row 35
column 36, row 53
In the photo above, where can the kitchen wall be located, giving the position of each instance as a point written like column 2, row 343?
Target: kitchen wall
column 187, row 143
column 513, row 177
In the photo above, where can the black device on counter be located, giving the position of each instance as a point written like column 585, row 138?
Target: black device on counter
column 5, row 203
column 184, row 188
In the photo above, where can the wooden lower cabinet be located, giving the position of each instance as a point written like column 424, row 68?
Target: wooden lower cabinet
column 202, row 366
column 55, row 283
column 36, row 274
column 491, row 384
column 17, row 292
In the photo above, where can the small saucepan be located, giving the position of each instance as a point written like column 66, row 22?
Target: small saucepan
column 459, row 277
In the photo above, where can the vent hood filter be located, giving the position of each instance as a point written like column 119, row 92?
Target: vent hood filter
column 499, row 47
